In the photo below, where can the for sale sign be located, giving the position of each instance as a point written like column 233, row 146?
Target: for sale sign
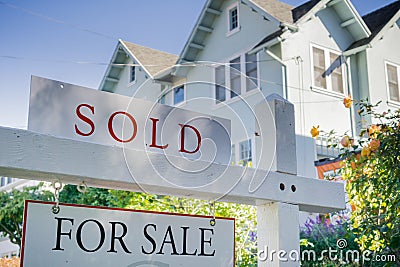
column 96, row 236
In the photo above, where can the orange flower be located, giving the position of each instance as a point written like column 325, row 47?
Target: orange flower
column 314, row 131
column 347, row 101
column 374, row 144
column 347, row 141
column 366, row 151
column 373, row 131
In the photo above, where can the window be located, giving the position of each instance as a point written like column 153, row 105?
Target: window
column 235, row 77
column 245, row 156
column 231, row 77
column 132, row 76
column 161, row 100
column 179, row 94
column 327, row 70
column 251, row 72
column 220, row 84
column 233, row 19
column 336, row 75
column 233, row 155
column 319, row 68
column 392, row 73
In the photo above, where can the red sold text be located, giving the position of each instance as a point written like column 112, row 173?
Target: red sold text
column 84, row 108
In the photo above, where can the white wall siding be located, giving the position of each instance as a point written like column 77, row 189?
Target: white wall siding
column 147, row 89
column 315, row 107
column 385, row 49
column 253, row 29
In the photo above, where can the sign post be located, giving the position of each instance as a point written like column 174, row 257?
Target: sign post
column 278, row 223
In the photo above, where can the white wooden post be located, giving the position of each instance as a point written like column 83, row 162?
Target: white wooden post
column 278, row 222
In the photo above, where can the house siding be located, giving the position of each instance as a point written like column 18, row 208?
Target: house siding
column 382, row 51
column 319, row 108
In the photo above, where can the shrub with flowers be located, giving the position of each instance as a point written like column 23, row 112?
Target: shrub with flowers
column 9, row 262
column 371, row 168
column 374, row 182
column 320, row 237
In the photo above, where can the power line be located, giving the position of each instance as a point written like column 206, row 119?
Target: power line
column 48, row 18
column 189, row 64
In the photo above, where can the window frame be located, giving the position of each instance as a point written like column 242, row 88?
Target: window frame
column 228, row 18
column 174, row 93
column 327, row 60
column 218, row 85
column 397, row 66
column 243, row 80
column 131, row 82
column 250, row 152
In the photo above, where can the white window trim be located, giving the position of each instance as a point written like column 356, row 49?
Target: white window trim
column 252, row 147
column 228, row 19
column 391, row 102
column 243, row 93
column 184, row 95
column 130, row 83
column 328, row 90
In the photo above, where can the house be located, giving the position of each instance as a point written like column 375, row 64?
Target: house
column 239, row 52
column 376, row 59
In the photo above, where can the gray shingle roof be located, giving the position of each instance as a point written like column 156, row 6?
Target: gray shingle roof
column 277, row 9
column 154, row 61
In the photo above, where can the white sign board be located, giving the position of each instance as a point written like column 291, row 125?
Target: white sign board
column 96, row 236
column 79, row 113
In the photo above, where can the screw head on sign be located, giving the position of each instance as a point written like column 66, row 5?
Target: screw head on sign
column 213, row 222
column 55, row 209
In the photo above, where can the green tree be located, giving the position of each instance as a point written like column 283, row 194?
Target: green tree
column 245, row 229
column 12, row 209
column 374, row 181
column 92, row 196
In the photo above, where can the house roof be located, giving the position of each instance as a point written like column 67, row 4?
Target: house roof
column 152, row 60
column 376, row 21
column 303, row 9
column 277, row 9
column 270, row 37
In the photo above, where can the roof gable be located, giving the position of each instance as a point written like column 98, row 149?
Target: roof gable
column 376, row 22
column 152, row 60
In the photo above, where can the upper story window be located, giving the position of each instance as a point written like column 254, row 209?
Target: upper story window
column 235, row 77
column 220, row 91
column 392, row 77
column 132, row 74
column 239, row 77
column 251, row 71
column 179, row 94
column 327, row 70
column 233, row 18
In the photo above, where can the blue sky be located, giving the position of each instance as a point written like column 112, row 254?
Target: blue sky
column 73, row 40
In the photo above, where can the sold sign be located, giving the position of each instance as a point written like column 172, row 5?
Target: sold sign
column 84, row 114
